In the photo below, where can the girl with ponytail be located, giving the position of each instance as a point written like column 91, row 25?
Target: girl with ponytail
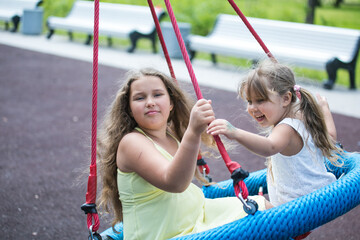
column 301, row 132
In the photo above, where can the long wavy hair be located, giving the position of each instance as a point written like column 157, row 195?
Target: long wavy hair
column 118, row 122
column 272, row 76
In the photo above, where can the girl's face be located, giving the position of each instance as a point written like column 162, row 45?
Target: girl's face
column 150, row 103
column 267, row 112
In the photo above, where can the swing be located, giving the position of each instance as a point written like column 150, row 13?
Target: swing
column 283, row 222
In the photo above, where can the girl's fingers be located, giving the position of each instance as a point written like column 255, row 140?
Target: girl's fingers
column 215, row 123
column 214, row 130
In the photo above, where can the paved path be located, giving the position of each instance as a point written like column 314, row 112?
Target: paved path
column 341, row 100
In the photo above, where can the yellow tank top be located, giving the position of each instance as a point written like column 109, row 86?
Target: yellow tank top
column 151, row 213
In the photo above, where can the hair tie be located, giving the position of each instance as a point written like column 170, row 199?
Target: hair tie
column 297, row 91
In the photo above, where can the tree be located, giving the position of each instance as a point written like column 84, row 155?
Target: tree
column 310, row 10
column 337, row 3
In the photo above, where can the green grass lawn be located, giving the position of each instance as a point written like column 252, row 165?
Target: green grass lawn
column 201, row 14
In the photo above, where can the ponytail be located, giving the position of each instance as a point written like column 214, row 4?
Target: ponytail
column 281, row 79
column 313, row 118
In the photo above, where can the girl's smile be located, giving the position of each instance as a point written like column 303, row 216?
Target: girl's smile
column 260, row 118
column 152, row 112
column 267, row 112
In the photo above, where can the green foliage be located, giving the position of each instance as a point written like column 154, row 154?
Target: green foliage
column 201, row 14
column 58, row 8
column 348, row 16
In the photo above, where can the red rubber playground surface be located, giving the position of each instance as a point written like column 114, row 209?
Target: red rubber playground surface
column 45, row 125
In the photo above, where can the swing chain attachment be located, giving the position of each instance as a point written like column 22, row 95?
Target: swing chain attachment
column 206, row 176
column 238, row 175
column 93, row 235
column 250, row 206
column 203, row 167
column 90, row 208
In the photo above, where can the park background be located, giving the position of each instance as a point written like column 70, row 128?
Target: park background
column 45, row 123
column 201, row 14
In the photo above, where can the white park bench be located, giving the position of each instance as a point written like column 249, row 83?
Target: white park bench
column 115, row 20
column 12, row 11
column 306, row 45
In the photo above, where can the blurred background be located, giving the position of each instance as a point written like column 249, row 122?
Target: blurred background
column 201, row 15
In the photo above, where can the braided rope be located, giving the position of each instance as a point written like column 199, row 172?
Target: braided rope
column 296, row 217
column 251, row 29
column 240, row 187
column 92, row 181
column 168, row 60
column 224, row 188
column 288, row 220
column 95, row 223
column 183, row 50
column 161, row 38
column 95, row 82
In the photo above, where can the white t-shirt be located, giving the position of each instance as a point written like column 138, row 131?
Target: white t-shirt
column 300, row 174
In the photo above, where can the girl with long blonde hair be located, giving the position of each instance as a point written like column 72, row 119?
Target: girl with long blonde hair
column 148, row 147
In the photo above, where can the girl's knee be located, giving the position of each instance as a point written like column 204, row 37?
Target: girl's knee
column 268, row 205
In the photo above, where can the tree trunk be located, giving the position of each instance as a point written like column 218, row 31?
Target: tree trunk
column 337, row 3
column 310, row 11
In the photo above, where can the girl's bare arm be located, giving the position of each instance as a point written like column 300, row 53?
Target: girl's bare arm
column 329, row 121
column 276, row 142
column 138, row 154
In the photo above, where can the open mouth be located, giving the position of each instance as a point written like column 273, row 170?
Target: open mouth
column 260, row 118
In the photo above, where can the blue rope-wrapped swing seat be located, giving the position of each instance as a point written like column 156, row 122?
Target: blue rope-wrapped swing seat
column 288, row 220
column 283, row 222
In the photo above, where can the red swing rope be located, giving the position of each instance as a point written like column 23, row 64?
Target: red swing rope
column 233, row 167
column 251, row 29
column 90, row 207
column 201, row 163
column 161, row 38
column 269, row 54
